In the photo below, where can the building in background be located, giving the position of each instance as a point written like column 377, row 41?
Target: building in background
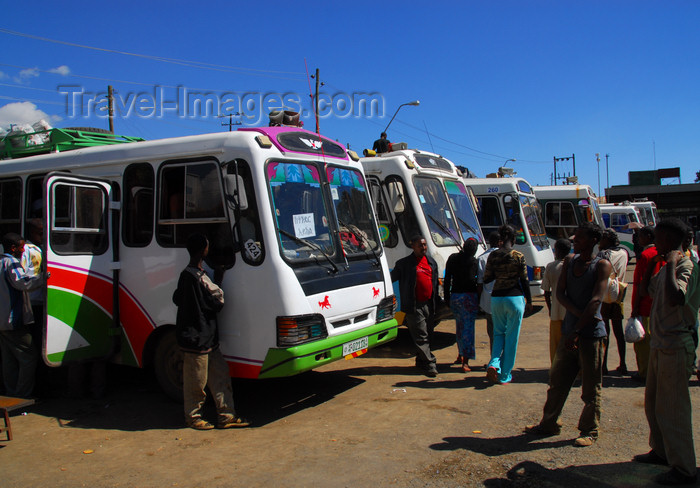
column 680, row 200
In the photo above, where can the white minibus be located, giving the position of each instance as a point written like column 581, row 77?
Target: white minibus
column 286, row 211
column 512, row 201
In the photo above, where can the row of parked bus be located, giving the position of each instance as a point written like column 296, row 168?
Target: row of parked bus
column 306, row 228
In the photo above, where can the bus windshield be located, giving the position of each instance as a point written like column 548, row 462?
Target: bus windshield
column 462, row 200
column 299, row 209
column 590, row 211
column 533, row 218
column 438, row 214
column 358, row 232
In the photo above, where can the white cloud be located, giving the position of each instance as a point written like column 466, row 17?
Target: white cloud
column 62, row 70
column 27, row 74
column 21, row 113
column 3, row 75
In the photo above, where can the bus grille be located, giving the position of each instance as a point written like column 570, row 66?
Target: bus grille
column 353, row 320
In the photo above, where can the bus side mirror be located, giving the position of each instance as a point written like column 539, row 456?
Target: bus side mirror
column 235, row 188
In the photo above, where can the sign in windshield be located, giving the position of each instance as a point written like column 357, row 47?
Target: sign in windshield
column 299, row 208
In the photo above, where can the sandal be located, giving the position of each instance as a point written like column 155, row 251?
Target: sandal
column 458, row 360
column 233, row 422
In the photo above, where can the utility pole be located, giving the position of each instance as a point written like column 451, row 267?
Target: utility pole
column 318, row 82
column 607, row 172
column 230, row 122
column 572, row 157
column 597, row 158
column 110, row 105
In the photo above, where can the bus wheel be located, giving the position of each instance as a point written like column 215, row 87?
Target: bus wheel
column 167, row 364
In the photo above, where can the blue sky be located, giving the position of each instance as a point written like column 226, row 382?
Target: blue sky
column 496, row 80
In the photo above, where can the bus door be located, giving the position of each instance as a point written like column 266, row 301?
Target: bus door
column 82, row 262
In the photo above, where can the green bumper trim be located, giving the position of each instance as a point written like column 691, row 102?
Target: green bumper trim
column 297, row 359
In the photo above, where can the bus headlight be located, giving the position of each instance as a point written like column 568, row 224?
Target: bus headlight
column 386, row 308
column 300, row 329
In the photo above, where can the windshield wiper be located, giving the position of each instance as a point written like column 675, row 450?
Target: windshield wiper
column 445, row 230
column 364, row 239
column 470, row 228
column 312, row 245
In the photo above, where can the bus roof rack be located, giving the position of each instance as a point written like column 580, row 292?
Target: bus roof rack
column 24, row 144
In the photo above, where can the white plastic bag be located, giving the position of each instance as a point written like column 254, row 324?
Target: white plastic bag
column 634, row 330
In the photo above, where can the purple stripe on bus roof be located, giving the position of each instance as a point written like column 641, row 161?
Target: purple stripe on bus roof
column 273, row 132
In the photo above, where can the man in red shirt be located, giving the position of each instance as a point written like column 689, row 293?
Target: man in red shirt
column 417, row 275
column 641, row 306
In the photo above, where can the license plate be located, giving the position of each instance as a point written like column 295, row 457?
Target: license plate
column 356, row 345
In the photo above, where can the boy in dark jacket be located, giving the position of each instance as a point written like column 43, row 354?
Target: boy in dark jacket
column 198, row 301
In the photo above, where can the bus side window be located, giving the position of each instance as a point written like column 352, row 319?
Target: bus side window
column 137, row 212
column 387, row 229
column 191, row 199
column 248, row 231
column 79, row 224
column 34, row 203
column 489, row 214
column 405, row 216
column 10, row 206
column 568, row 219
column 552, row 214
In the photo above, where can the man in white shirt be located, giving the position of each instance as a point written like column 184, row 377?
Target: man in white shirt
column 486, row 288
column 549, row 285
column 613, row 313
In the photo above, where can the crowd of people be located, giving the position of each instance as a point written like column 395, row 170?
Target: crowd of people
column 584, row 291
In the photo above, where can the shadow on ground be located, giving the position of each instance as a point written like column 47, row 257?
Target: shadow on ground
column 134, row 402
column 402, row 347
column 532, row 474
column 499, row 446
column 613, row 475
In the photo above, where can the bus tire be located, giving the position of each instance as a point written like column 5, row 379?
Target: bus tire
column 167, row 365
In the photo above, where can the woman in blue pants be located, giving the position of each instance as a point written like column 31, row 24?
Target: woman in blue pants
column 509, row 301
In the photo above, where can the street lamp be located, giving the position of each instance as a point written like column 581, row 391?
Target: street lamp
column 415, row 103
column 503, row 171
column 597, row 158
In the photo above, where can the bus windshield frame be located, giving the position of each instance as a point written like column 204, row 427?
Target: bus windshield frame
column 300, row 209
column 463, row 200
column 532, row 215
column 437, row 211
column 357, row 227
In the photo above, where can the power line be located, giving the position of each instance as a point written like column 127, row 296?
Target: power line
column 181, row 62
column 3, row 97
column 114, row 80
column 25, row 87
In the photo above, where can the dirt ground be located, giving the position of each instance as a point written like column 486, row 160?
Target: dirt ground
column 371, row 421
